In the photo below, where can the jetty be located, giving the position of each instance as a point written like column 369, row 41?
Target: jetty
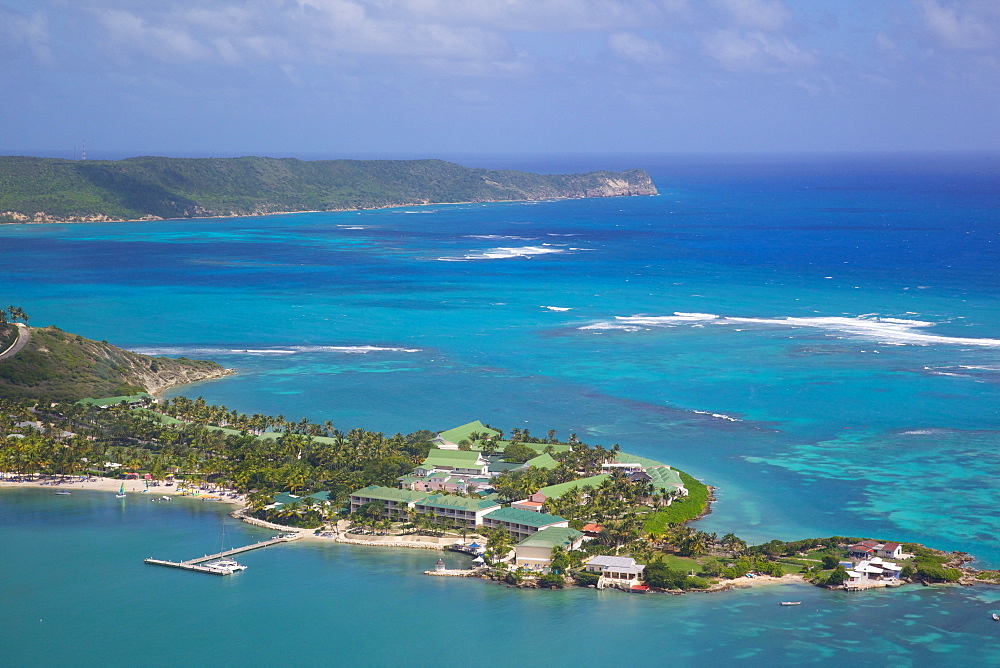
column 196, row 563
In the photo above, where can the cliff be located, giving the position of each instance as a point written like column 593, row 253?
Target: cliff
column 66, row 367
column 151, row 188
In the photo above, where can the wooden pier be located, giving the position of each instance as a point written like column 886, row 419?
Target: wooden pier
column 195, row 564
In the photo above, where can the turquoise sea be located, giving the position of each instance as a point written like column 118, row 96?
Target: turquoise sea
column 818, row 337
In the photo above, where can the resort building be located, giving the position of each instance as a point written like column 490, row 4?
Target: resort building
column 396, row 502
column 556, row 491
column 465, row 511
column 452, row 438
column 535, row 552
column 542, row 461
column 618, row 572
column 461, row 462
column 529, row 505
column 523, row 523
column 286, row 499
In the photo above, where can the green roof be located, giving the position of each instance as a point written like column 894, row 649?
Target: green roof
column 462, row 433
column 390, row 494
column 626, row 458
column 665, row 478
column 542, row 462
column 453, row 458
column 552, row 537
column 537, row 447
column 525, row 517
column 456, row 502
column 555, row 491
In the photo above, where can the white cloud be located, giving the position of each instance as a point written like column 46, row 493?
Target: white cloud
column 20, row 34
column 975, row 27
column 769, row 15
column 754, row 51
column 638, row 49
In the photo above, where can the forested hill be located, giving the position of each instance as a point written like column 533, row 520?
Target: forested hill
column 51, row 190
column 65, row 367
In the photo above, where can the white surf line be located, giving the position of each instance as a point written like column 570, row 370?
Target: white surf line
column 886, row 330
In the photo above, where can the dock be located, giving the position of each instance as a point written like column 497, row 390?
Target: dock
column 195, row 564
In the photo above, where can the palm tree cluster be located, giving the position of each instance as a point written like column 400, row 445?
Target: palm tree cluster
column 74, row 437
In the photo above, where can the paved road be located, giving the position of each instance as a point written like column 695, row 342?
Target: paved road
column 23, row 336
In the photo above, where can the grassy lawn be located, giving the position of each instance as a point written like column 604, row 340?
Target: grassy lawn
column 681, row 563
column 681, row 510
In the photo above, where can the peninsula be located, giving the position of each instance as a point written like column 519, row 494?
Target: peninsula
column 48, row 364
column 40, row 190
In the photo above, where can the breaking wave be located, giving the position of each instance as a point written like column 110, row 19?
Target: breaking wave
column 287, row 350
column 505, row 253
column 893, row 331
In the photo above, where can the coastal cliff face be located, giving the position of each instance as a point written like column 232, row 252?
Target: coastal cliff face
column 42, row 190
column 66, row 367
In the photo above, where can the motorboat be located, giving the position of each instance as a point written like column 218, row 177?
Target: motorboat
column 791, row 603
column 996, row 617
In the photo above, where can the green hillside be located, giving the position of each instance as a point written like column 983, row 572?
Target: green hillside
column 65, row 367
column 46, row 189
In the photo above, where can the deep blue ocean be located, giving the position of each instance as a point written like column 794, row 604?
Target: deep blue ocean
column 817, row 337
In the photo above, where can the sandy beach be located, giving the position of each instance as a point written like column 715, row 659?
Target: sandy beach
column 98, row 484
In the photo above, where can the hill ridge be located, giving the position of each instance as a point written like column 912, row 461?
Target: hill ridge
column 157, row 188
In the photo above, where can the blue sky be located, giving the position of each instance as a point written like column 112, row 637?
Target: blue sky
column 436, row 77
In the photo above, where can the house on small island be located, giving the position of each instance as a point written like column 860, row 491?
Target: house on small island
column 617, row 572
column 873, row 572
column 535, row 552
column 872, row 548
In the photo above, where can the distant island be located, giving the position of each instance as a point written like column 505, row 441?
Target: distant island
column 41, row 190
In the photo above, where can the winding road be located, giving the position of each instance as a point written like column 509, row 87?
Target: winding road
column 23, row 336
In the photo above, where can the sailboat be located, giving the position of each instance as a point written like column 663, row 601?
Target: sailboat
column 121, row 492
column 224, row 565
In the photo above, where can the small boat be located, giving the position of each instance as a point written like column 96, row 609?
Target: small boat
column 791, row 603
column 62, row 493
column 121, row 492
column 996, row 617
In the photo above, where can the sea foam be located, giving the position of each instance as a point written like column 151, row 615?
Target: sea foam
column 504, row 253
column 892, row 331
column 287, row 350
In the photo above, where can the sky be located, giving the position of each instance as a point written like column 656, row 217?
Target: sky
column 436, row 77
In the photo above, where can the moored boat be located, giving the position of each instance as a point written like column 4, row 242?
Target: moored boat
column 227, row 566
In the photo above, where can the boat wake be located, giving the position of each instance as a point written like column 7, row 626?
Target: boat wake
column 890, row 331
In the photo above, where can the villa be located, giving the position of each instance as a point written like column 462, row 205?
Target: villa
column 618, row 572
column 870, row 548
column 873, row 573
column 535, row 552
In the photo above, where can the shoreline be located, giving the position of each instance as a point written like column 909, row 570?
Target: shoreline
column 157, row 219
column 132, row 487
column 339, row 532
